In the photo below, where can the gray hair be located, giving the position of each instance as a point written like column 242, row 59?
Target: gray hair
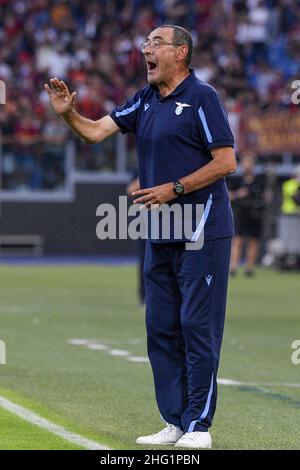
column 181, row 37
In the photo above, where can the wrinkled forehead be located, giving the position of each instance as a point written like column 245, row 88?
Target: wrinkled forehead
column 162, row 33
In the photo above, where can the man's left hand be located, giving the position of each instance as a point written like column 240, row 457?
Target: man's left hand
column 155, row 196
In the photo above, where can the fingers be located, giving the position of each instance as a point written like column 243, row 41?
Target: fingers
column 145, row 198
column 48, row 89
column 53, row 84
column 64, row 87
column 60, row 89
column 145, row 194
column 141, row 191
column 58, row 86
column 73, row 98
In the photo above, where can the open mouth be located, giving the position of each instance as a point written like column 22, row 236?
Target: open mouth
column 151, row 65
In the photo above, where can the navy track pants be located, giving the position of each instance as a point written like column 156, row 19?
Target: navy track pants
column 185, row 308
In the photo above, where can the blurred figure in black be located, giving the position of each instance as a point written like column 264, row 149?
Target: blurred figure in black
column 247, row 197
column 134, row 185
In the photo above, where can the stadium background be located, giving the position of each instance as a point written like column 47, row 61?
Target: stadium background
column 248, row 50
column 64, row 319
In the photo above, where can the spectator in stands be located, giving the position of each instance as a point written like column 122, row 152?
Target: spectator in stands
column 248, row 50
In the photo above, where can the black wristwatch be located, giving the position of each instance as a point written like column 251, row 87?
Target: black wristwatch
column 178, row 188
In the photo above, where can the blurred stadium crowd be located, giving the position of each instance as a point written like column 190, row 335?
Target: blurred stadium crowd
column 249, row 50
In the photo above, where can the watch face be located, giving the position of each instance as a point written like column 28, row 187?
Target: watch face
column 179, row 189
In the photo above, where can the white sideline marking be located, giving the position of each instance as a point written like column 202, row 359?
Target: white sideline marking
column 233, row 383
column 101, row 346
column 78, row 341
column 98, row 347
column 137, row 358
column 118, row 352
column 229, row 382
column 43, row 423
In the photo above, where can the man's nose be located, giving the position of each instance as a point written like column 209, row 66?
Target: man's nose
column 148, row 49
column 148, row 53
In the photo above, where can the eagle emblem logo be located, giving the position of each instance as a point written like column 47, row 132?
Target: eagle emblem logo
column 180, row 107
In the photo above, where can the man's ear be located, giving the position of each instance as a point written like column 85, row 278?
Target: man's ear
column 182, row 52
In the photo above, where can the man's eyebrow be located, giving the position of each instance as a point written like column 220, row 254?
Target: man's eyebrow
column 155, row 37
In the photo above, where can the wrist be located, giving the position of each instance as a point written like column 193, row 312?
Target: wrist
column 178, row 188
column 68, row 115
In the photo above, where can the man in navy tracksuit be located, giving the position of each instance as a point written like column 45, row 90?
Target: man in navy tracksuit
column 185, row 148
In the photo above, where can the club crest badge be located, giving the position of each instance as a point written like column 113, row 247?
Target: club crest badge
column 180, row 107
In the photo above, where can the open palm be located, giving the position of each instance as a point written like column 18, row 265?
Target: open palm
column 61, row 100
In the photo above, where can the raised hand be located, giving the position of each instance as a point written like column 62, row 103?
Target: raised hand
column 61, row 100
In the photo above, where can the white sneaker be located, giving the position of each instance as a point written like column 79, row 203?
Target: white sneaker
column 195, row 440
column 167, row 436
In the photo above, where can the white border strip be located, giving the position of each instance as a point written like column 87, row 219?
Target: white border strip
column 43, row 423
column 201, row 224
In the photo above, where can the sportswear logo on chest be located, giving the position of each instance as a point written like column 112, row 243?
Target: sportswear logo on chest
column 208, row 278
column 180, row 107
column 146, row 106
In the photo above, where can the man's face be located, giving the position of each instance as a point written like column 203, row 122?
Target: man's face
column 160, row 59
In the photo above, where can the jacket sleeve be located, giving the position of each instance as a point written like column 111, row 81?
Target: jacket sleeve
column 125, row 116
column 213, row 120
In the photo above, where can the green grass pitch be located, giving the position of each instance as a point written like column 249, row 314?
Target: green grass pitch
column 107, row 398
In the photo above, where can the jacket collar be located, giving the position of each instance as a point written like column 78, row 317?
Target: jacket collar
column 180, row 88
